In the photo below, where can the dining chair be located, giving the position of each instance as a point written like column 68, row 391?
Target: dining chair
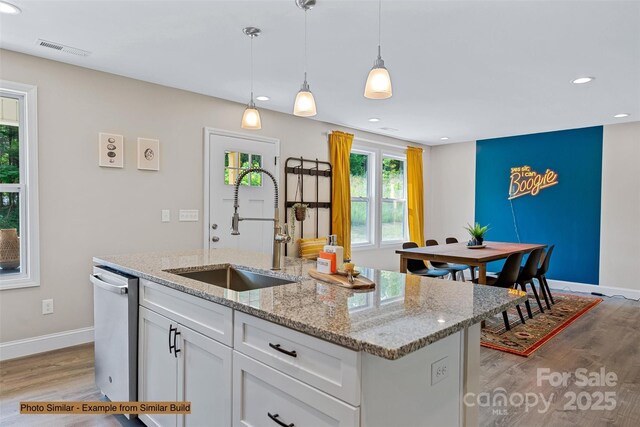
column 507, row 279
column 418, row 267
column 472, row 269
column 454, row 269
column 542, row 278
column 527, row 274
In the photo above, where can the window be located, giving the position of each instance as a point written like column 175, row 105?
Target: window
column 19, row 250
column 361, row 195
column 235, row 163
column 378, row 197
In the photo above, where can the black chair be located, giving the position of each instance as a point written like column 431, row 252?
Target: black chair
column 450, row 240
column 454, row 269
column 418, row 267
column 507, row 279
column 528, row 273
column 542, row 278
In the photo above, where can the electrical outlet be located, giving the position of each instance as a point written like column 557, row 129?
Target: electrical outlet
column 47, row 306
column 188, row 215
column 439, row 370
column 166, row 215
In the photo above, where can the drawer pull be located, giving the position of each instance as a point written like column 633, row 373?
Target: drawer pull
column 281, row 350
column 274, row 417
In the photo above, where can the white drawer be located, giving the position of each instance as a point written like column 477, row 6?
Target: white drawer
column 208, row 318
column 328, row 367
column 262, row 395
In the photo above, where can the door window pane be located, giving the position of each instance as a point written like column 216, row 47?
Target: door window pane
column 235, row 163
column 392, row 178
column 359, row 221
column 393, row 220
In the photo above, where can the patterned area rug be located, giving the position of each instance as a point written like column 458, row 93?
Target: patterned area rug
column 523, row 340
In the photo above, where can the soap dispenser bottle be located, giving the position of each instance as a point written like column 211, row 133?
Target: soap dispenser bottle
column 333, row 248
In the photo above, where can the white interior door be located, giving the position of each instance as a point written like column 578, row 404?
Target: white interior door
column 229, row 154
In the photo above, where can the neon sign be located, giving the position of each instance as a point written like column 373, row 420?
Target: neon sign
column 526, row 181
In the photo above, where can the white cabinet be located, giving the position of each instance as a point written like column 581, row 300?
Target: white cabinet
column 263, row 396
column 179, row 364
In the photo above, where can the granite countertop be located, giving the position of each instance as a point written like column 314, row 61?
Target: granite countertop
column 402, row 314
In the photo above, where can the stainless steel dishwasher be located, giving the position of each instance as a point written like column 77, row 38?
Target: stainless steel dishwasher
column 115, row 315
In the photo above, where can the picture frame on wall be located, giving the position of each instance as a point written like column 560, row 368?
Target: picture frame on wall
column 148, row 154
column 110, row 150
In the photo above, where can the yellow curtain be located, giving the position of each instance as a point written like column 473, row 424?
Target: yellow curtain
column 339, row 151
column 415, row 195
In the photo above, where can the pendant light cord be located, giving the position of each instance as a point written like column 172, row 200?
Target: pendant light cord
column 251, row 67
column 379, row 25
column 305, row 45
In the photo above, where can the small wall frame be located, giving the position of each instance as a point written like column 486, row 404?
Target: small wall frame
column 148, row 154
column 110, row 150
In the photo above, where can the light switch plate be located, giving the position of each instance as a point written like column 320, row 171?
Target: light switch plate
column 188, row 215
column 439, row 370
column 166, row 215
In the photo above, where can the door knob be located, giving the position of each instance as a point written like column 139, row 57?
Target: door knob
column 214, row 226
column 215, row 239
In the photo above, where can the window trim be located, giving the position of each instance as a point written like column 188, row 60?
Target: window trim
column 29, row 275
column 376, row 156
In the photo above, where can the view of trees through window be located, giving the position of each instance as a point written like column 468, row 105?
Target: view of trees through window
column 393, row 198
column 359, row 164
column 9, row 174
column 235, row 162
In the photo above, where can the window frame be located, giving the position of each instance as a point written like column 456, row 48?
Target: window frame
column 376, row 156
column 388, row 154
column 371, row 196
column 29, row 275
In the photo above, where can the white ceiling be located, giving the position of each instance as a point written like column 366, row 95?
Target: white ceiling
column 467, row 70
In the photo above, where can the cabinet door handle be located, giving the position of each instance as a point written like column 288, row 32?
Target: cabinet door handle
column 176, row 350
column 291, row 353
column 274, row 417
column 172, row 346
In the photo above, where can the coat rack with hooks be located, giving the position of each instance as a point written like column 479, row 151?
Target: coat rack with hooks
column 301, row 167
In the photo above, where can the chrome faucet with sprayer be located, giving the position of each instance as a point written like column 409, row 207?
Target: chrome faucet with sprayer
column 280, row 235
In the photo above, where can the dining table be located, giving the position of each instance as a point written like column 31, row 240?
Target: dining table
column 460, row 253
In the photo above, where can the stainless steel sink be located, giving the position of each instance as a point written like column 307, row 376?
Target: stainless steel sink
column 235, row 279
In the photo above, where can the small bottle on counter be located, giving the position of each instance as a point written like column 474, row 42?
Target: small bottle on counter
column 333, row 248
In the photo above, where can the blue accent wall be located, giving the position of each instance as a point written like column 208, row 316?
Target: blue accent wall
column 566, row 214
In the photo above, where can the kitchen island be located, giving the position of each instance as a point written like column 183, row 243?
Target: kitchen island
column 307, row 352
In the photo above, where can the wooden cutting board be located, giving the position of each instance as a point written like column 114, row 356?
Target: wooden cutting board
column 336, row 279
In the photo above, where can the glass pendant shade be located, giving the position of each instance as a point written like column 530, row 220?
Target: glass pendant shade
column 305, row 104
column 378, row 84
column 251, row 118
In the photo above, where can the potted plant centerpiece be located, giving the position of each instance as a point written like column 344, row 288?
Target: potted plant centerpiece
column 477, row 233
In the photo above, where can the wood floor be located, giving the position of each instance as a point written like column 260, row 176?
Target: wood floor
column 608, row 336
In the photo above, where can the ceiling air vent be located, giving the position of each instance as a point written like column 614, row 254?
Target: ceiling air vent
column 62, row 48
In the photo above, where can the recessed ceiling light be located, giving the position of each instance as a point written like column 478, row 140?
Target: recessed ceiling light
column 441, row 320
column 444, row 138
column 262, row 98
column 8, row 8
column 582, row 80
column 621, row 115
column 374, row 119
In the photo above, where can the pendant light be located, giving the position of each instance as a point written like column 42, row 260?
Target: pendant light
column 378, row 84
column 251, row 117
column 305, row 104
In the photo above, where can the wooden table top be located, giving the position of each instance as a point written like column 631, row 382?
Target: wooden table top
column 458, row 252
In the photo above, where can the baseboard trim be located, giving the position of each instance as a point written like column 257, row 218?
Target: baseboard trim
column 29, row 346
column 582, row 287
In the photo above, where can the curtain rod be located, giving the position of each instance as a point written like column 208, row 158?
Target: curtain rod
column 370, row 141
